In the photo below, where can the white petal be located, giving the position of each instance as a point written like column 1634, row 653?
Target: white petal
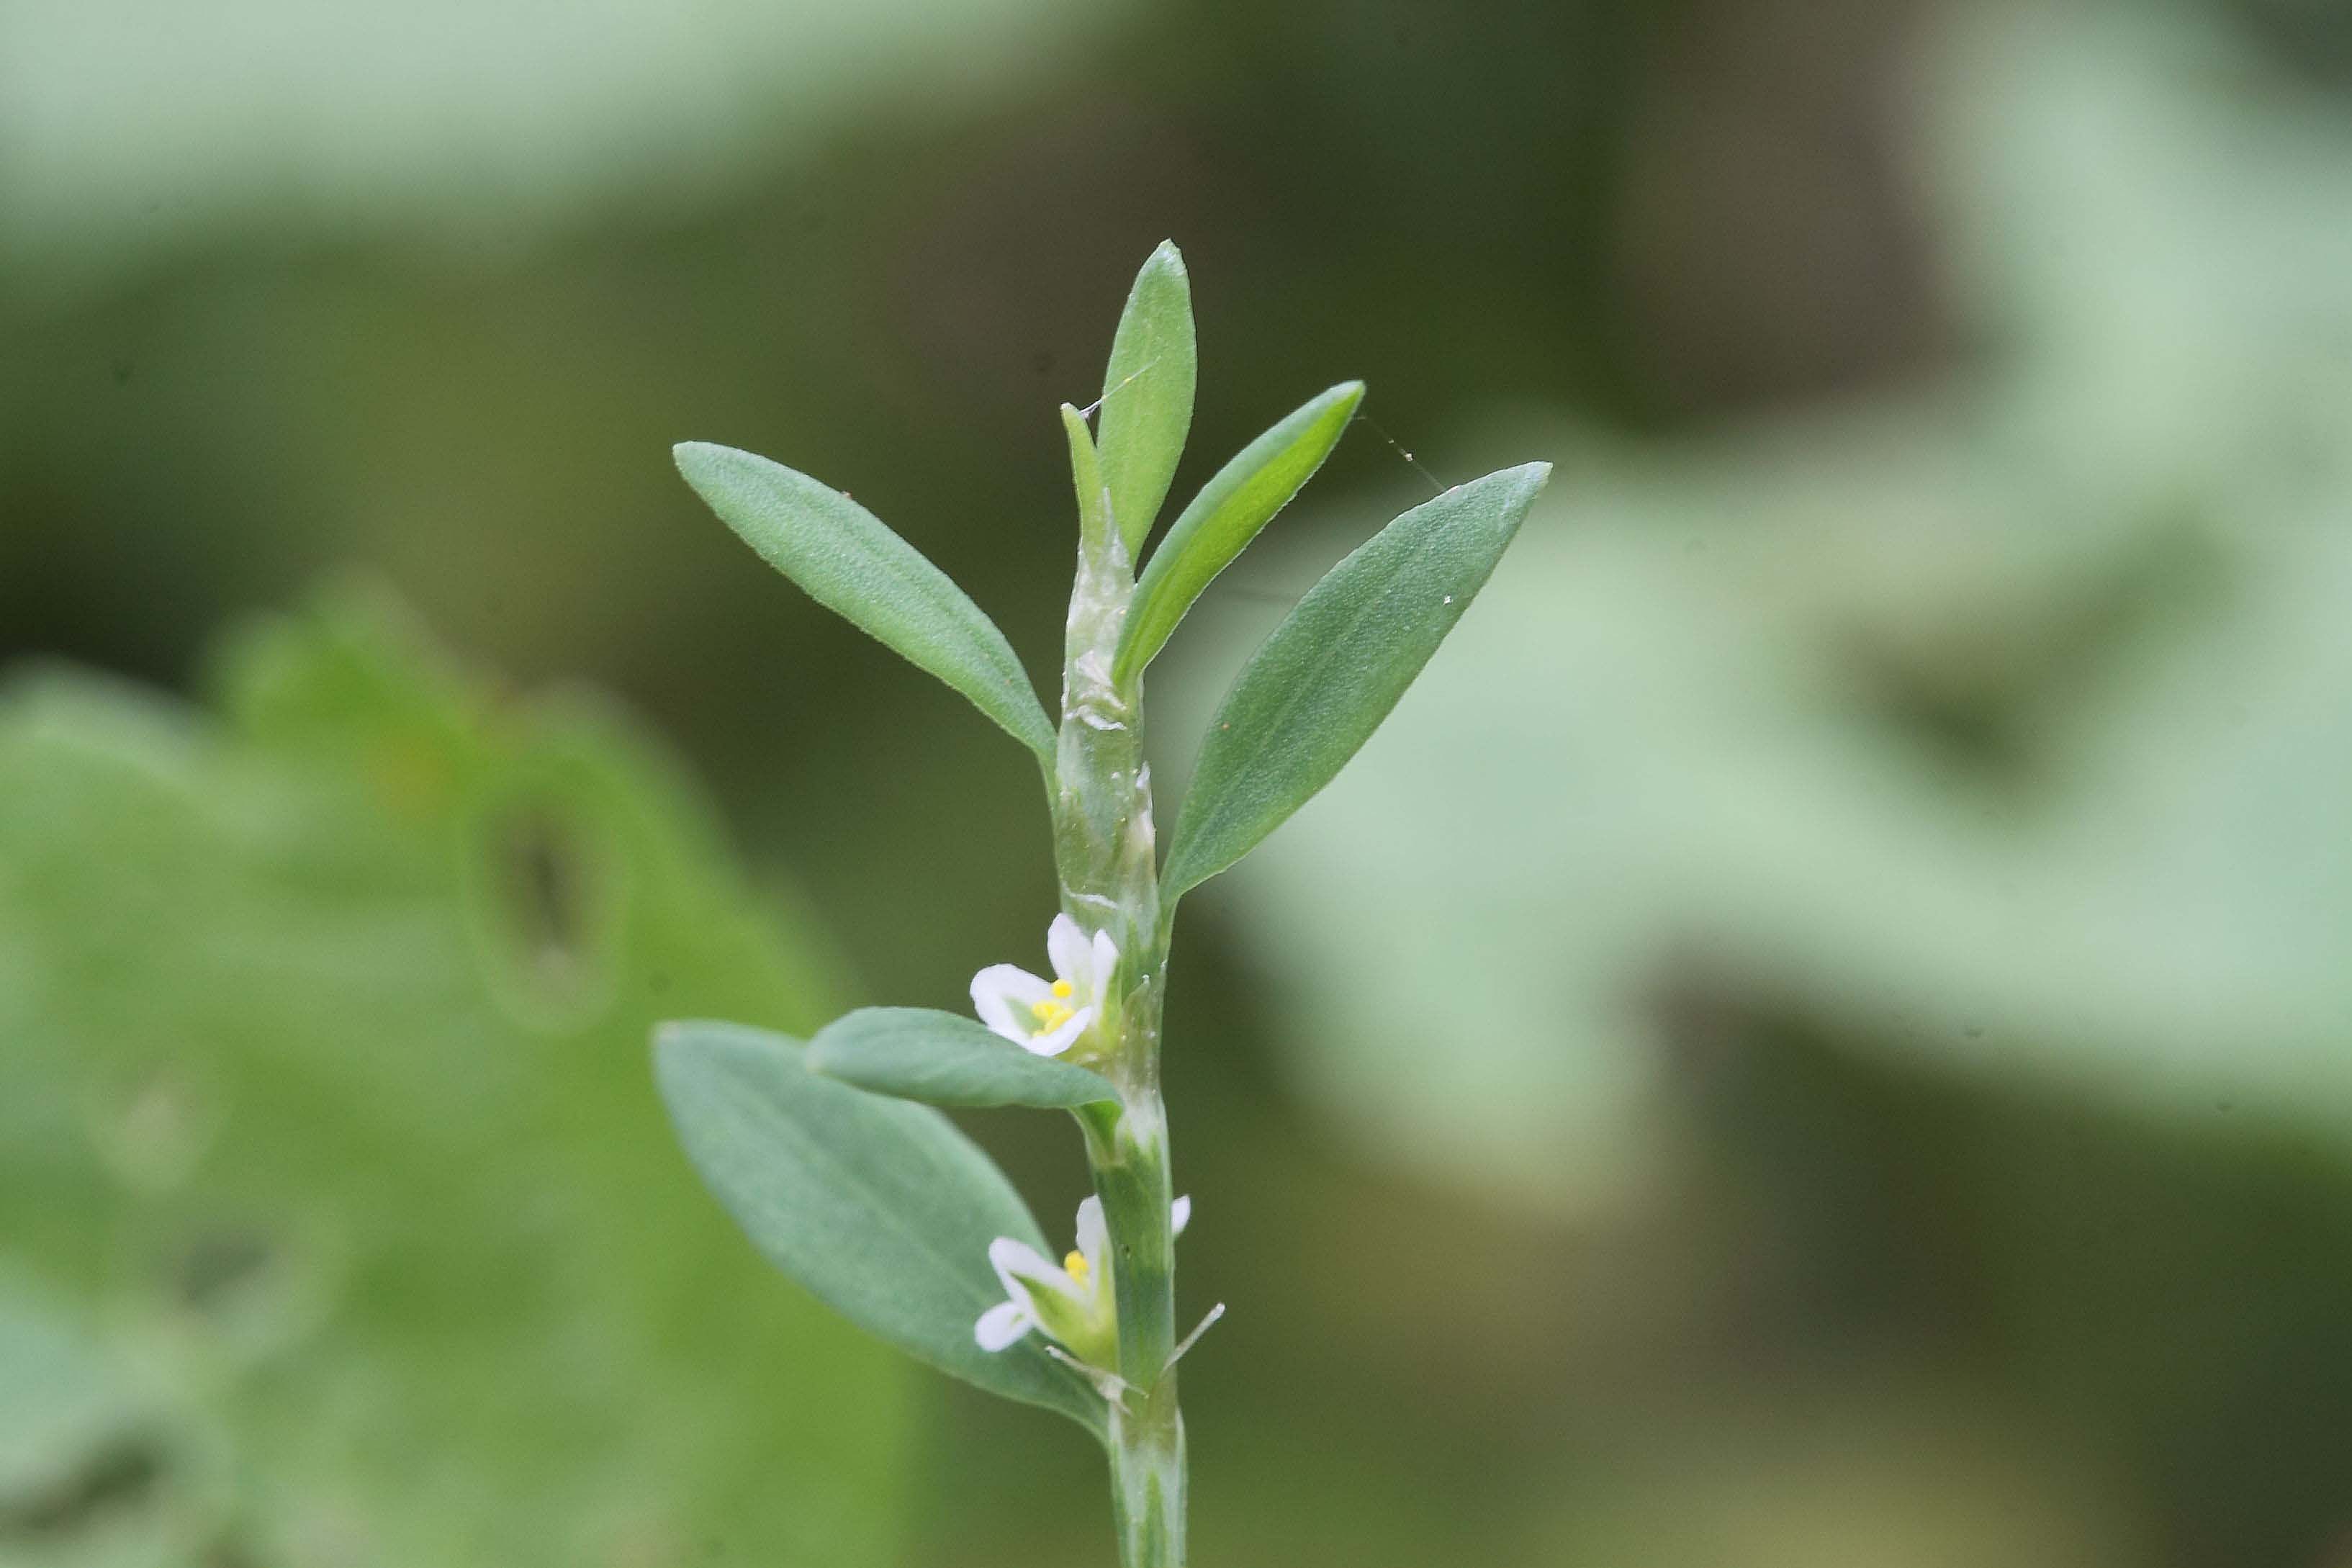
column 1023, row 1269
column 1094, row 1236
column 1061, row 1038
column 1066, row 944
column 1002, row 1325
column 1017, row 1264
column 1010, row 982
column 1179, row 1214
column 1002, row 995
column 1105, row 961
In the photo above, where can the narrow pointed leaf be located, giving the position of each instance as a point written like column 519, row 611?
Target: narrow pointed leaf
column 879, row 1208
column 1085, row 475
column 1147, row 406
column 1231, row 509
column 1316, row 688
column 944, row 1059
column 846, row 559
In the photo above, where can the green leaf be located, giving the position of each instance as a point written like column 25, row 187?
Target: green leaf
column 1146, row 404
column 847, row 560
column 879, row 1208
column 335, row 992
column 943, row 1059
column 1226, row 515
column 1085, row 474
column 1321, row 684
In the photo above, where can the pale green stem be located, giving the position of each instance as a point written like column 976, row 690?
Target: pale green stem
column 1104, row 850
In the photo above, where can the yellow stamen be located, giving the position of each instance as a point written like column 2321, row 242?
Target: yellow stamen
column 1064, row 989
column 1051, row 1016
column 1075, row 1266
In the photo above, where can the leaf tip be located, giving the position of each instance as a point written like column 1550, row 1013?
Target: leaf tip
column 697, row 459
column 1343, row 399
column 1527, row 481
column 1518, row 487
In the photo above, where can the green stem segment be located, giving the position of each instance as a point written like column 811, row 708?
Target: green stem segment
column 1104, row 853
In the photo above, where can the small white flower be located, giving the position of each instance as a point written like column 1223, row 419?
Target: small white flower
column 1073, row 1302
column 1049, row 1015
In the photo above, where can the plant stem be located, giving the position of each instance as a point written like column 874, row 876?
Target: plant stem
column 1107, row 861
column 1147, row 1474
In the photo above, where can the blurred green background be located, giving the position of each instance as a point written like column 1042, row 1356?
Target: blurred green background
column 1820, row 1035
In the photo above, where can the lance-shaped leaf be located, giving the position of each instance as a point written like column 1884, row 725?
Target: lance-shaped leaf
column 846, row 559
column 1085, row 474
column 879, row 1208
column 944, row 1059
column 1147, row 406
column 1316, row 688
column 1225, row 516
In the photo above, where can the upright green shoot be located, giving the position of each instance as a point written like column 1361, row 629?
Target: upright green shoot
column 833, row 1156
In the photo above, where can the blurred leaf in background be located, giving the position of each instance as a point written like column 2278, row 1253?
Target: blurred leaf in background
column 341, row 1224
column 2001, row 723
